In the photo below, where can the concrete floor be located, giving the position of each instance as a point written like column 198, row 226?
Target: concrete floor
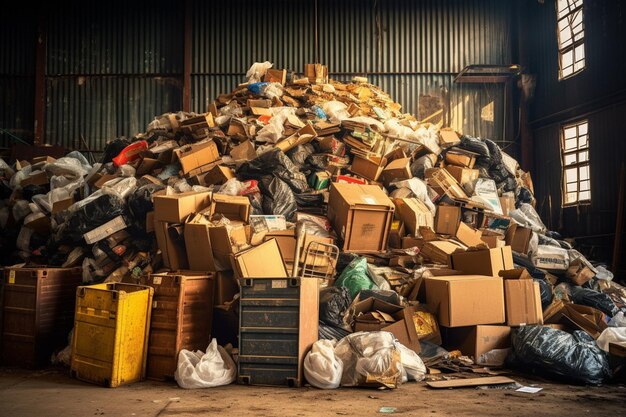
column 53, row 393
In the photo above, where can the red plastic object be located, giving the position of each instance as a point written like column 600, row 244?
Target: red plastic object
column 264, row 119
column 130, row 153
column 250, row 187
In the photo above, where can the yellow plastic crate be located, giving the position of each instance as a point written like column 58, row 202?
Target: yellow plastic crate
column 111, row 327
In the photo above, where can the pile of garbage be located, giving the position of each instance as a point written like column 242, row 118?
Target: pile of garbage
column 425, row 219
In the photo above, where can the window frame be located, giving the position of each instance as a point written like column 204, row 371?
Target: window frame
column 577, row 165
column 574, row 43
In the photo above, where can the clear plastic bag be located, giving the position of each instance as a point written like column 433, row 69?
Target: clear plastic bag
column 257, row 71
column 322, row 368
column 412, row 364
column 527, row 216
column 336, row 111
column 205, row 370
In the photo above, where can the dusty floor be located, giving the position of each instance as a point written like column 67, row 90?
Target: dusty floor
column 53, row 393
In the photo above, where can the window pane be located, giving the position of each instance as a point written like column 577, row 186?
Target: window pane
column 571, row 187
column 583, row 172
column 570, row 198
column 584, row 186
column 570, row 159
column 570, row 132
column 570, row 144
column 582, row 142
column 585, row 195
column 579, row 65
column 582, row 128
column 583, row 156
column 571, row 175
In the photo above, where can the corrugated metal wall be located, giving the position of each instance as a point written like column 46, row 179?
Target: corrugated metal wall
column 17, row 81
column 406, row 47
column 111, row 69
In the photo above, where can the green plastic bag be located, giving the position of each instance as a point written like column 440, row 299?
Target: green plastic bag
column 355, row 278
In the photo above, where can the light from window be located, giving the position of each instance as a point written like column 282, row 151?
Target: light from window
column 571, row 37
column 575, row 160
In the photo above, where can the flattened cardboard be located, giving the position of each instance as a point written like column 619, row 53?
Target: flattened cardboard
column 275, row 76
column 146, row 166
column 475, row 341
column 466, row 300
column 410, row 242
column 361, row 215
column 199, row 248
column 397, row 169
column 302, row 136
column 175, row 208
column 461, row 157
column 59, row 206
column 263, row 261
column 438, row 251
column 198, row 154
column 448, row 219
column 105, row 230
column 36, row 178
column 507, row 203
column 468, row 236
column 482, row 262
column 243, row 152
column 232, row 207
column 413, row 213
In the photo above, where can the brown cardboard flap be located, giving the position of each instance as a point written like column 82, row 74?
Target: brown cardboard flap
column 263, row 261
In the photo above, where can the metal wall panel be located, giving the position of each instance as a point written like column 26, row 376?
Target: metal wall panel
column 17, row 82
column 103, row 108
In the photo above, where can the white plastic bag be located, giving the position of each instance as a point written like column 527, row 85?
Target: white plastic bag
column 604, row 273
column 411, row 363
column 322, row 368
column 205, row 370
column 336, row 111
column 615, row 335
column 618, row 320
column 257, row 71
column 419, row 188
column 527, row 216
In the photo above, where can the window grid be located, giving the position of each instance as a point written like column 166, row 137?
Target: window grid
column 571, row 36
column 575, row 162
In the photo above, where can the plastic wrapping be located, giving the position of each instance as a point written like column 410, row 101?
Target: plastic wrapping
column 603, row 273
column 388, row 296
column 274, row 162
column 618, row 320
column 591, row 298
column 369, row 358
column 322, row 368
column 334, row 302
column 23, row 239
column 91, row 215
column 121, row 187
column 299, row 154
column 575, row 356
column 419, row 188
column 140, row 202
column 527, row 216
column 336, row 111
column 273, row 131
column 420, row 165
column 545, row 290
column 475, row 145
column 21, row 209
column 494, row 152
column 331, row 332
column 616, row 335
column 205, row 370
column 355, row 277
column 412, row 364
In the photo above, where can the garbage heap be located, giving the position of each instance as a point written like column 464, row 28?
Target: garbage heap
column 439, row 241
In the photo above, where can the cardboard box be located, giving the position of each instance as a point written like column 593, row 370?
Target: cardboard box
column 146, row 166
column 275, row 76
column 397, row 169
column 410, row 242
column 448, row 137
column 263, row 261
column 522, row 298
column 482, row 262
column 413, row 213
column 59, row 206
column 507, row 203
column 172, row 244
column 466, row 300
column 396, row 233
column 198, row 154
column 369, row 168
column 319, row 180
column 105, row 230
column 493, row 240
column 226, row 287
column 468, row 236
column 218, row 174
column 232, row 207
column 461, row 157
column 243, row 152
column 462, row 175
column 361, row 215
column 448, row 219
column 476, row 341
column 578, row 272
column 439, row 251
column 518, row 238
column 36, row 178
column 198, row 247
column 486, row 192
column 302, row 136
column 175, row 208
column 373, row 314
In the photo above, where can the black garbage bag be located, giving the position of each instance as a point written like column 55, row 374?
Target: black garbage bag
column 523, row 196
column 274, row 162
column 306, row 200
column 595, row 299
column 256, row 204
column 317, row 162
column 387, row 296
column 494, row 151
column 545, row 289
column 420, row 165
column 345, row 258
column 499, row 173
column 140, row 203
column 334, row 301
column 554, row 352
column 554, row 235
column 32, row 190
column 510, row 184
column 432, row 354
column 277, row 197
column 113, row 148
column 5, row 189
column 328, row 332
column 300, row 153
column 92, row 215
column 475, row 145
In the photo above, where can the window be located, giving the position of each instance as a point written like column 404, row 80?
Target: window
column 571, row 37
column 575, row 159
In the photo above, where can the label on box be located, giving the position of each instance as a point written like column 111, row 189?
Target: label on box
column 279, row 283
column 157, row 280
column 11, row 277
